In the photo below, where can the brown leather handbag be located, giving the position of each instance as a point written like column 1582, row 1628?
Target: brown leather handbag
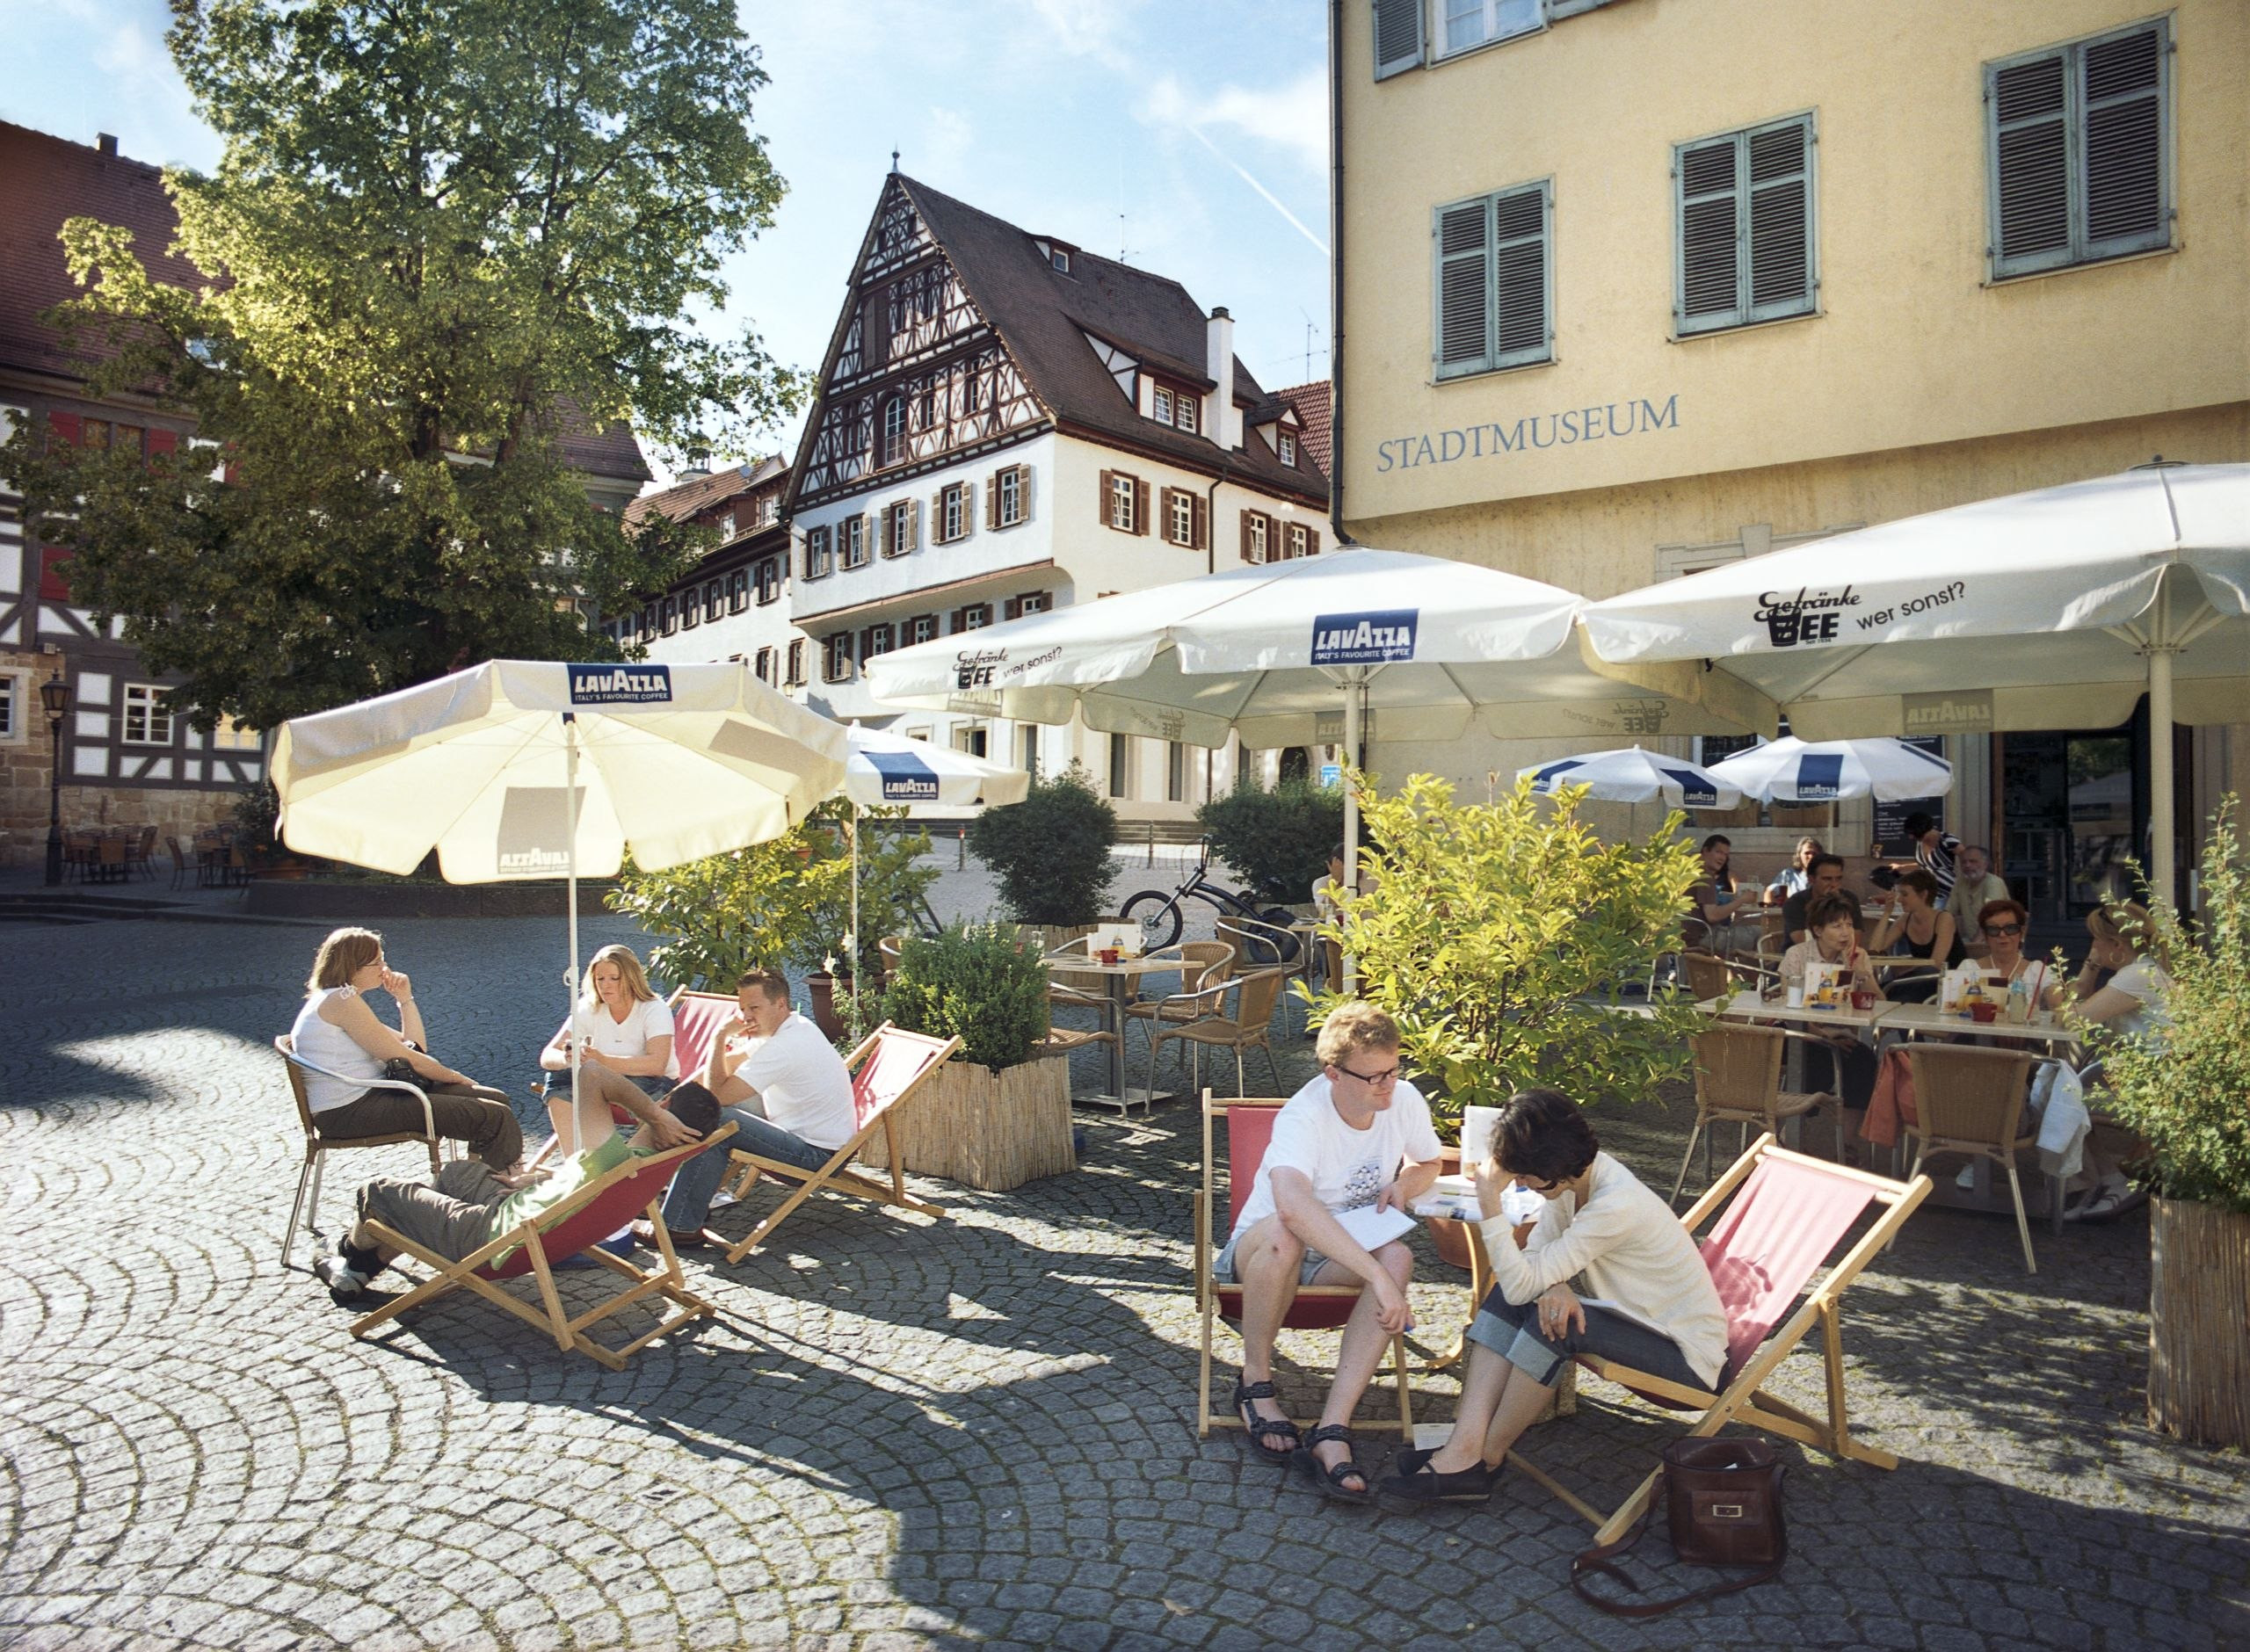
column 1723, row 1501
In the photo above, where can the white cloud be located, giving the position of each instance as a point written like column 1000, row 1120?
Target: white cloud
column 1292, row 117
column 1088, row 28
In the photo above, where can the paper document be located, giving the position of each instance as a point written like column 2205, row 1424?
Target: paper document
column 1624, row 1313
column 1369, row 1227
column 1453, row 1196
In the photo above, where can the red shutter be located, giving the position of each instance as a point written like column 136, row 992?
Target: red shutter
column 164, row 442
column 68, row 428
column 1140, row 506
column 53, row 585
column 1101, row 501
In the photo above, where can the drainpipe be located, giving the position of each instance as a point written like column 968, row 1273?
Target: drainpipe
column 1336, row 273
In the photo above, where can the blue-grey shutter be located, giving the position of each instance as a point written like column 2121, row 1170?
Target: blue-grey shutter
column 1464, row 316
column 1519, row 320
column 2029, row 105
column 1781, row 220
column 2122, row 93
column 1744, row 207
column 1397, row 37
column 1711, row 236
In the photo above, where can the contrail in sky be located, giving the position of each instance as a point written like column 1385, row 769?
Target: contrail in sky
column 1271, row 200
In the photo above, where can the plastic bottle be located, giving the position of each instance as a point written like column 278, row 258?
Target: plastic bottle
column 2019, row 1002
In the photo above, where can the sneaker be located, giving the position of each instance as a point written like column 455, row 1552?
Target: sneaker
column 1423, row 1485
column 345, row 1285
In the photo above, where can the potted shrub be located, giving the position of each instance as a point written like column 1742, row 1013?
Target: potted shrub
column 996, row 1115
column 1278, row 841
column 1050, row 852
column 1499, row 937
column 2188, row 1096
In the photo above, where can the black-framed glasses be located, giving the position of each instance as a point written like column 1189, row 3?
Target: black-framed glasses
column 2003, row 928
column 1388, row 1076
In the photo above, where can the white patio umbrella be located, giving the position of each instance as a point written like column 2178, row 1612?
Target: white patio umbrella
column 1269, row 651
column 2055, row 609
column 520, row 769
column 891, row 769
column 1635, row 776
column 1794, row 771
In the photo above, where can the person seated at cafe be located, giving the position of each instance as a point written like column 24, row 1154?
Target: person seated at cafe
column 2004, row 925
column 783, row 1087
column 1936, row 851
column 1794, row 877
column 1975, row 886
column 2124, row 987
column 1328, row 897
column 1357, row 1136
column 624, row 1034
column 1712, row 924
column 1832, row 937
column 1600, row 1224
column 1912, row 926
column 468, row 1204
column 1823, row 876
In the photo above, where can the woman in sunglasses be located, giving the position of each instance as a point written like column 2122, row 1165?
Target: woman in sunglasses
column 1658, row 1309
column 2004, row 923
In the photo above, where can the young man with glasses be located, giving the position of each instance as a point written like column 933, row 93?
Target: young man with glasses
column 1355, row 1141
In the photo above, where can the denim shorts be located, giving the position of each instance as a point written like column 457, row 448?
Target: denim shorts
column 1223, row 1265
column 1511, row 1330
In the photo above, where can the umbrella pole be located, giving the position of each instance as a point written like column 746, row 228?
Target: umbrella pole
column 852, row 942
column 1355, row 692
column 2161, row 823
column 570, row 863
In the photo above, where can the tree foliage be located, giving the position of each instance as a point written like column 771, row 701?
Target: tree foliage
column 981, row 981
column 1499, row 936
column 1050, row 851
column 440, row 231
column 2187, row 1091
column 1279, row 841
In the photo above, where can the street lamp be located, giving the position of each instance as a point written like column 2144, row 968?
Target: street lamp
column 55, row 694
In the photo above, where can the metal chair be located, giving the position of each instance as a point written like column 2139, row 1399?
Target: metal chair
column 317, row 1145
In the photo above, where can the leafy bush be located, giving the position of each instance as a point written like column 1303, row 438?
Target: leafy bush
column 981, row 981
column 1050, row 851
column 2188, row 1093
column 1498, row 935
column 1279, row 841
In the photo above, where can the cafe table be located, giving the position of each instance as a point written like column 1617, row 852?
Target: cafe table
column 2049, row 1035
column 1748, row 1005
column 1118, row 979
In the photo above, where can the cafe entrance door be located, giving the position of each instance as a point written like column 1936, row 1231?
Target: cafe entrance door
column 2074, row 806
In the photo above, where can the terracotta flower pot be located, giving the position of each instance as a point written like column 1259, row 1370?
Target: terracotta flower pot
column 821, row 988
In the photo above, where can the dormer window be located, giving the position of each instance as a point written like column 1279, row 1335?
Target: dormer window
column 1175, row 405
column 1060, row 259
column 1286, row 445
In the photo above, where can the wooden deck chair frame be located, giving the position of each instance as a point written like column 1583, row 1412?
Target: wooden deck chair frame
column 317, row 1148
column 569, row 1332
column 837, row 1175
column 1207, row 1293
column 1744, row 1400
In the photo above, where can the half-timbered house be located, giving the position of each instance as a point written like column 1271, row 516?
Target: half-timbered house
column 733, row 603
column 126, row 760
column 1008, row 423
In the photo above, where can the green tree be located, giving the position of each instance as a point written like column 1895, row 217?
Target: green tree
column 1050, row 851
column 1279, row 841
column 440, row 230
column 1498, row 935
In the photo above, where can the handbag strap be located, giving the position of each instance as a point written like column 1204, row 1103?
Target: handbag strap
column 1599, row 1558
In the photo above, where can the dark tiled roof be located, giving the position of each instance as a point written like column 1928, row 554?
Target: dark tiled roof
column 1044, row 315
column 1311, row 402
column 44, row 180
column 688, row 499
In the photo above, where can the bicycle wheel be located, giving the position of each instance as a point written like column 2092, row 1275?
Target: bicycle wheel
column 1157, row 913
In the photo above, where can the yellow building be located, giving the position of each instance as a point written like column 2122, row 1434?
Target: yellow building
column 1626, row 288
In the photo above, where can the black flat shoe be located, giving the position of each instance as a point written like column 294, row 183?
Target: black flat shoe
column 1332, row 1479
column 1422, row 1485
column 1261, row 1429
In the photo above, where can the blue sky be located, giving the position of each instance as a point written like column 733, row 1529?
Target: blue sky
column 1204, row 124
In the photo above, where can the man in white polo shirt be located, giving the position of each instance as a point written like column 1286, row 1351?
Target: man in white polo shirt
column 1353, row 1144
column 783, row 1087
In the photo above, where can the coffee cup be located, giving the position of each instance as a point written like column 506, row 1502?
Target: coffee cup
column 1983, row 1012
column 1863, row 1000
column 1109, row 954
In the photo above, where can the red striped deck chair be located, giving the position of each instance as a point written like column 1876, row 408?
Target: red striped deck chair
column 1249, row 1129
column 576, row 1225
column 887, row 1068
column 1791, row 1212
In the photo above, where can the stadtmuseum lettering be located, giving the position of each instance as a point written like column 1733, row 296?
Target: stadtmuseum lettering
column 1601, row 422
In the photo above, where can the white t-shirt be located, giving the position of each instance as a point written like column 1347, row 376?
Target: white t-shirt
column 1347, row 1167
column 804, row 1083
column 324, row 1044
column 649, row 1019
column 2142, row 979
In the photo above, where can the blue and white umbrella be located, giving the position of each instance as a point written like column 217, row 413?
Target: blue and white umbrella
column 1793, row 771
column 1634, row 775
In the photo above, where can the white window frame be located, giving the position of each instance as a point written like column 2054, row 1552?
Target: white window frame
column 1121, row 490
column 148, row 702
column 836, row 658
column 1492, row 20
column 878, row 641
column 16, row 696
column 953, row 512
column 1013, row 484
column 227, row 735
column 1180, row 518
column 1184, row 414
column 851, row 542
column 923, row 627
column 1260, row 529
column 1160, row 403
column 1036, row 602
column 1285, row 446
column 820, row 555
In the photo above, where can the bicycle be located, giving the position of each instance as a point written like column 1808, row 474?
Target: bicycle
column 1161, row 917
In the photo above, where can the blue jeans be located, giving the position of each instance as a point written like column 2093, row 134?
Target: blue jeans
column 688, row 1200
column 1512, row 1331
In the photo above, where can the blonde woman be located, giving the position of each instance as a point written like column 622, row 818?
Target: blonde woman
column 624, row 1033
column 2130, row 1001
column 337, row 1029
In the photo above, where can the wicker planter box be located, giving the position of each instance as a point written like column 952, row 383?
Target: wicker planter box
column 987, row 1129
column 2199, row 1323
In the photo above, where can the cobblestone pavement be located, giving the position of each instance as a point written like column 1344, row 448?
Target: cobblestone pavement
column 907, row 1432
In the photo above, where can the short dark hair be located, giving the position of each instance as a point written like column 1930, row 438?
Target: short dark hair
column 1824, row 858
column 1919, row 825
column 1337, row 853
column 772, row 982
column 1919, row 882
column 1716, row 839
column 1543, row 1133
column 1823, row 909
column 693, row 1107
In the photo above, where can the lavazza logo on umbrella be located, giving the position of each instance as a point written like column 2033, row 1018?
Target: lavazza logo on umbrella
column 1810, row 616
column 620, row 684
column 1364, row 639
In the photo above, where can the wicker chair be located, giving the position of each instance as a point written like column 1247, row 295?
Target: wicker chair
column 1256, row 993
column 1738, row 1078
column 1970, row 1100
column 1203, row 964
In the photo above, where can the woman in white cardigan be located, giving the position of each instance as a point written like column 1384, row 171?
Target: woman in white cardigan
column 1600, row 1224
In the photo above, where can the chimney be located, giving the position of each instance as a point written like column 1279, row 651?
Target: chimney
column 1225, row 423
column 105, row 141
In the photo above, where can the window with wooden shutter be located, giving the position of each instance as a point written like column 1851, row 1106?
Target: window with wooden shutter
column 1397, row 37
column 1140, row 506
column 1491, row 304
column 1011, row 609
column 2078, row 151
column 1105, row 499
column 1257, row 533
column 1203, row 540
column 1742, row 205
column 796, row 660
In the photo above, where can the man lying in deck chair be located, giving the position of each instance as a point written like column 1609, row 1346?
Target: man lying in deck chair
column 1599, row 1221
column 469, row 1205
column 783, row 1087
